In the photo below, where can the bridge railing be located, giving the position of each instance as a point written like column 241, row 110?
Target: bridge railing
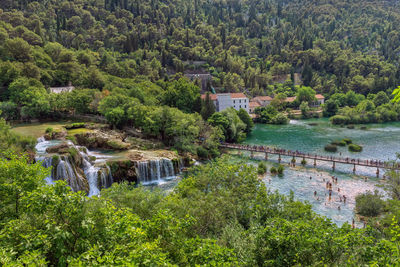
column 265, row 149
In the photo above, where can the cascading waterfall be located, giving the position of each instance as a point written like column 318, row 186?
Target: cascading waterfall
column 155, row 171
column 63, row 169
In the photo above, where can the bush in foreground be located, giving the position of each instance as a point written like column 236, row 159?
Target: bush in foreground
column 369, row 204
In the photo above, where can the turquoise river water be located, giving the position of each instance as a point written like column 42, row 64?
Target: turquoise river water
column 379, row 141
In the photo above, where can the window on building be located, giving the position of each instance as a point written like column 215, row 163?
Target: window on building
column 240, row 101
column 245, row 106
column 233, row 101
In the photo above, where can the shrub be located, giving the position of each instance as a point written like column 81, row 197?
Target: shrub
column 202, row 152
column 355, row 148
column 273, row 170
column 75, row 125
column 262, row 168
column 369, row 204
column 347, row 141
column 49, row 130
column 350, row 126
column 303, row 162
column 331, row 148
column 280, row 169
column 339, row 119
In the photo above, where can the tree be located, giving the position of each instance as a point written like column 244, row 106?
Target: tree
column 18, row 49
column 18, row 177
column 208, row 107
column 305, row 109
column 330, row 108
column 244, row 116
column 369, row 204
column 305, row 94
column 181, row 94
column 380, row 99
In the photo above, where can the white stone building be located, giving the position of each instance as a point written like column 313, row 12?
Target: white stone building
column 229, row 100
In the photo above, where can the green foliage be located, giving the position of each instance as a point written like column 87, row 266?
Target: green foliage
column 330, row 148
column 369, row 204
column 49, row 130
column 330, row 108
column 233, row 128
column 305, row 109
column 339, row 143
column 273, row 170
column 181, row 94
column 305, row 94
column 339, row 119
column 303, row 162
column 347, row 141
column 75, row 125
column 280, row 169
column 355, row 148
column 245, row 117
column 270, row 114
column 17, row 179
column 262, row 168
column 207, row 107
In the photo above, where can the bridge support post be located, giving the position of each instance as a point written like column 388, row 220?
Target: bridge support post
column 279, row 159
column 333, row 166
column 294, row 161
column 354, row 168
column 252, row 154
column 377, row 172
column 266, row 155
column 315, row 162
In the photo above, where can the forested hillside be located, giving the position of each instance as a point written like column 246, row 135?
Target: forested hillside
column 336, row 45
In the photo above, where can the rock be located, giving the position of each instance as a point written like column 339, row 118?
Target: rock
column 123, row 170
column 55, row 135
column 98, row 140
column 60, row 149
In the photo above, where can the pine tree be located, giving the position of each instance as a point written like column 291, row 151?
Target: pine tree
column 208, row 107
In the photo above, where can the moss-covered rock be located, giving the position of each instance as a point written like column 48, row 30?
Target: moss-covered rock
column 96, row 140
column 331, row 148
column 123, row 170
column 355, row 148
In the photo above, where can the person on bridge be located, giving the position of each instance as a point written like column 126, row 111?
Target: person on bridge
column 315, row 193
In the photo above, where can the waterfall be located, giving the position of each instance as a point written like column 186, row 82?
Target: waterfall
column 155, row 171
column 90, row 174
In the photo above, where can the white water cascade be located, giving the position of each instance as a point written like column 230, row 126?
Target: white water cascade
column 95, row 174
column 155, row 171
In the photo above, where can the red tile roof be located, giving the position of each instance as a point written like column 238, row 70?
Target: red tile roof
column 319, row 96
column 238, row 95
column 263, row 98
column 290, row 99
column 254, row 104
column 213, row 97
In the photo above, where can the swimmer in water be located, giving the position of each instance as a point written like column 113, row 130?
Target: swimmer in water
column 315, row 193
column 310, row 177
column 338, row 208
column 338, row 189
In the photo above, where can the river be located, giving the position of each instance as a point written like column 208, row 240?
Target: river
column 379, row 141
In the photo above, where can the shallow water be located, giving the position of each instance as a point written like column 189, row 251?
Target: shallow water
column 379, row 141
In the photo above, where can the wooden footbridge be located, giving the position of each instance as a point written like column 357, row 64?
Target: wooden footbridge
column 297, row 154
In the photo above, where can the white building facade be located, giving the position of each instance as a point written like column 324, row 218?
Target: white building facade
column 229, row 100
